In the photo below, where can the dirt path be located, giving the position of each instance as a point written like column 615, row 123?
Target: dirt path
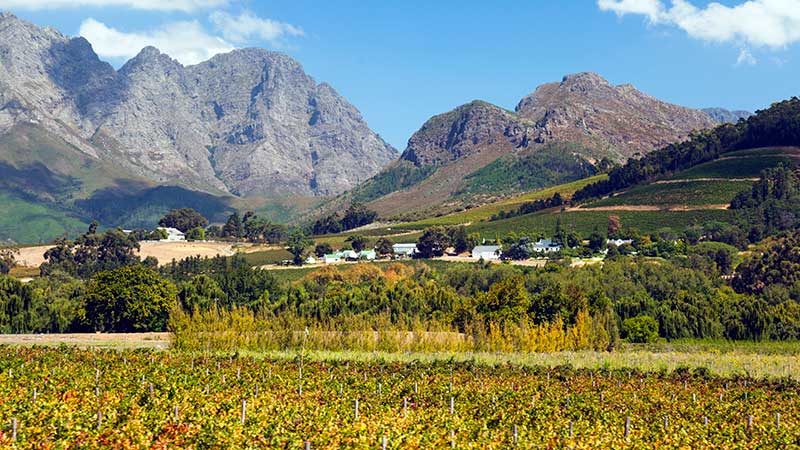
column 119, row 341
column 691, row 180
column 668, row 208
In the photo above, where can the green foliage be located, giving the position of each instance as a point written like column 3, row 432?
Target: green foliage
column 640, row 329
column 384, row 246
column 357, row 215
column 296, row 244
column 688, row 193
column 91, row 253
column 357, row 242
column 323, row 249
column 551, row 165
column 778, row 265
column 7, row 259
column 129, row 299
column 196, row 234
column 183, row 219
column 433, row 242
column 399, row 175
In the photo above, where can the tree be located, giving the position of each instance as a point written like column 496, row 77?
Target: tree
column 296, row 244
column 129, row 299
column 183, row 219
column 7, row 259
column 614, row 227
column 214, row 231
column 640, row 329
column 461, row 241
column 196, row 234
column 596, row 242
column 323, row 249
column 201, row 293
column 433, row 242
column 91, row 253
column 358, row 242
column 357, row 215
column 233, row 227
column 384, row 246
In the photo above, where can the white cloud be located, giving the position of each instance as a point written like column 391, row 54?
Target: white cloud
column 759, row 23
column 247, row 26
column 746, row 58
column 650, row 8
column 155, row 5
column 187, row 41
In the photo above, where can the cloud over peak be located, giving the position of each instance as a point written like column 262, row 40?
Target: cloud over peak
column 247, row 26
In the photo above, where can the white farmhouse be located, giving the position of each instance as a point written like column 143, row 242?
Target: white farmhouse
column 620, row 242
column 404, row 250
column 173, row 234
column 487, row 252
column 546, row 246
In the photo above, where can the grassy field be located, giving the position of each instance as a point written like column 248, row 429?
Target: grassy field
column 747, row 164
column 481, row 213
column 586, row 222
column 689, row 193
column 34, row 222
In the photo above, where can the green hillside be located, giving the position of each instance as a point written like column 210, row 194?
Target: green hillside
column 28, row 221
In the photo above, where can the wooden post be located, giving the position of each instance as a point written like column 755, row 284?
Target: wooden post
column 452, row 405
column 666, row 422
column 452, row 439
column 176, row 414
column 570, row 430
column 244, row 411
column 749, row 424
column 777, row 420
column 14, row 429
column 355, row 409
column 705, row 421
column 308, row 445
column 151, row 389
column 383, row 443
column 516, row 436
column 380, row 391
column 99, row 419
column 239, row 373
column 256, row 389
column 34, row 395
column 405, row 407
column 627, row 426
column 416, row 388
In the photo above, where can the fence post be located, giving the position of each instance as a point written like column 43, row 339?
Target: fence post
column 570, row 430
column 777, row 420
column 383, row 443
column 452, row 439
column 452, row 405
column 14, row 429
column 244, row 411
column 749, row 424
column 516, row 436
column 176, row 414
column 308, row 445
column 405, row 407
column 356, row 410
column 666, row 422
column 627, row 426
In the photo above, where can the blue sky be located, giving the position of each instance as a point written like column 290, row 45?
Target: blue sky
column 402, row 62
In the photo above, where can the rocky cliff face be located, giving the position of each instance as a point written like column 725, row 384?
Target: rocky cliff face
column 723, row 115
column 250, row 122
column 585, row 108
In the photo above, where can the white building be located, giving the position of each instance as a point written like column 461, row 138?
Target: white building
column 173, row 234
column 620, row 242
column 487, row 252
column 404, row 250
column 546, row 246
column 332, row 258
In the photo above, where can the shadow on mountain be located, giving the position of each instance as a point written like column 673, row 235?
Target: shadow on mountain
column 37, row 181
column 128, row 205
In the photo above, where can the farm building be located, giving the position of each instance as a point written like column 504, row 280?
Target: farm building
column 546, row 246
column 173, row 234
column 487, row 252
column 404, row 250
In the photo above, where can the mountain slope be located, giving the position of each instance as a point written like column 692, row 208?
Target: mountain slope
column 562, row 132
column 723, row 115
column 250, row 122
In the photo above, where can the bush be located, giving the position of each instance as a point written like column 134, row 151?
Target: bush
column 640, row 329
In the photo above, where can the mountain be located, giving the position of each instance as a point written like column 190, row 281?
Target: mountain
column 723, row 115
column 250, row 122
column 561, row 132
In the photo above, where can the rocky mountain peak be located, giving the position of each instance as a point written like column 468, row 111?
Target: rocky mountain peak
column 584, row 81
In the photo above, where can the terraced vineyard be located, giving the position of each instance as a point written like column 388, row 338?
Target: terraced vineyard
column 69, row 398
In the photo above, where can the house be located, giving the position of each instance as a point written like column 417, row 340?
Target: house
column 620, row 242
column 487, row 252
column 332, row 258
column 368, row 255
column 311, row 260
column 173, row 234
column 404, row 250
column 546, row 246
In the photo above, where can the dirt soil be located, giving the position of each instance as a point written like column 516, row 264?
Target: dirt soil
column 159, row 341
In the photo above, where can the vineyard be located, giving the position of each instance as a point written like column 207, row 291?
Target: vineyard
column 73, row 398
